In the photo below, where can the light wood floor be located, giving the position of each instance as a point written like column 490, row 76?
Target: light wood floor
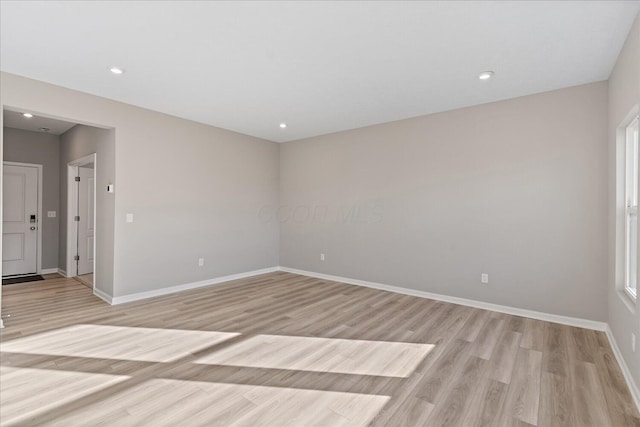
column 86, row 279
column 282, row 349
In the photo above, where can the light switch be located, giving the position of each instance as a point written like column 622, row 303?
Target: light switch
column 51, row 214
column 129, row 217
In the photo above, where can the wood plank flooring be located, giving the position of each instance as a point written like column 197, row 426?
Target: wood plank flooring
column 283, row 349
column 86, row 279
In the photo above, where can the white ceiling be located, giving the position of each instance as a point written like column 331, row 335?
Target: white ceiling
column 320, row 67
column 15, row 119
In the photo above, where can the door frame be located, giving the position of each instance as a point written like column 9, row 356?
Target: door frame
column 72, row 208
column 39, row 213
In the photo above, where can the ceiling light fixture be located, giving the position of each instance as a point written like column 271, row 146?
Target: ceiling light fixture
column 27, row 115
column 283, row 125
column 45, row 130
column 485, row 75
column 116, row 70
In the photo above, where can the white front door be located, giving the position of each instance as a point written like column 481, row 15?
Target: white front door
column 19, row 220
column 85, row 225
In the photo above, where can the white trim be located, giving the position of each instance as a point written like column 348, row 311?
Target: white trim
column 39, row 223
column 627, row 301
column 1, row 324
column 72, row 200
column 565, row 320
column 554, row 318
column 186, row 286
column 630, row 183
column 48, row 270
column 62, row 272
column 619, row 249
column 103, row 295
column 631, row 293
column 633, row 388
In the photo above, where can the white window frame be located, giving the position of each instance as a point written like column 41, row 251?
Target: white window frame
column 631, row 168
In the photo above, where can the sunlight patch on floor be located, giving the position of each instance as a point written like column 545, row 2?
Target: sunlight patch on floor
column 117, row 342
column 358, row 357
column 160, row 402
column 34, row 391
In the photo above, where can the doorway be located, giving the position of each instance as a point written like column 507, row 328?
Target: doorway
column 21, row 213
column 81, row 219
column 55, row 142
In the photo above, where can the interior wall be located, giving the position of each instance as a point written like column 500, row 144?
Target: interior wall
column 44, row 149
column 516, row 189
column 624, row 94
column 195, row 190
column 76, row 143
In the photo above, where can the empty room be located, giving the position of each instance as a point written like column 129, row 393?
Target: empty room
column 327, row 213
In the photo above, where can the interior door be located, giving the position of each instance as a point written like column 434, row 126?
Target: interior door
column 19, row 220
column 85, row 224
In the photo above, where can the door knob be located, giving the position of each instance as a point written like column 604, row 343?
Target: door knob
column 32, row 228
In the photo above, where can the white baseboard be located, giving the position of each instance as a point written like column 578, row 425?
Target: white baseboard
column 62, row 272
column 48, row 270
column 565, row 320
column 633, row 388
column 103, row 296
column 186, row 286
column 554, row 318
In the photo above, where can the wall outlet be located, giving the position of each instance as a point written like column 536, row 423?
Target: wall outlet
column 200, row 262
column 484, row 278
column 321, row 257
column 633, row 342
column 129, row 217
column 51, row 214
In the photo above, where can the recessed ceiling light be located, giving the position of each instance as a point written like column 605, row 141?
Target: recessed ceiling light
column 485, row 75
column 283, row 125
column 44, row 129
column 27, row 115
column 116, row 70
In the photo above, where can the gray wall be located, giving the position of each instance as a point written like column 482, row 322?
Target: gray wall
column 624, row 94
column 195, row 191
column 44, row 149
column 516, row 189
column 76, row 143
